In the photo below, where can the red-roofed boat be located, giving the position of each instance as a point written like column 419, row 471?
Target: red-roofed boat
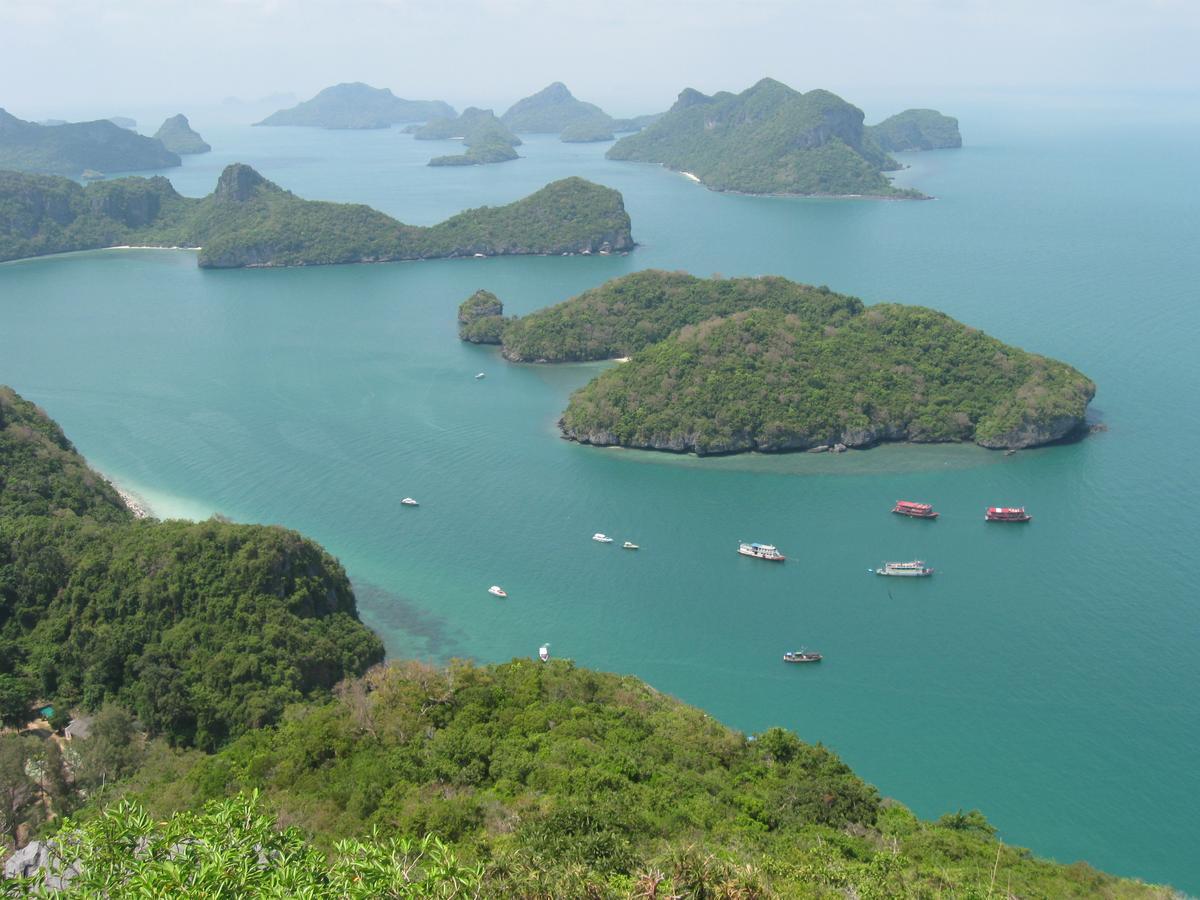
column 914, row 510
column 1006, row 514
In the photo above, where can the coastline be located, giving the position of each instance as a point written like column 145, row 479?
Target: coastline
column 136, row 505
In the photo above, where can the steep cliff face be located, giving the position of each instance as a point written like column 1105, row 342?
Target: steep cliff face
column 239, row 183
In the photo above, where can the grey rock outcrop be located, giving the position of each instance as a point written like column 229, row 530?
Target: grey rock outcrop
column 42, row 857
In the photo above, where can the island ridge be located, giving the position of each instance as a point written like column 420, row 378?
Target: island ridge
column 249, row 221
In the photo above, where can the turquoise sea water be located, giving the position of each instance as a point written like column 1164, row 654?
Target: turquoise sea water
column 1047, row 674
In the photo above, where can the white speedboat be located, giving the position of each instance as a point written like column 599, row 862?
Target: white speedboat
column 601, row 538
column 409, row 501
column 481, row 375
column 630, row 545
column 544, row 652
column 496, row 591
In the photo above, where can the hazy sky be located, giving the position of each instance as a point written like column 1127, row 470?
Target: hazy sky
column 70, row 57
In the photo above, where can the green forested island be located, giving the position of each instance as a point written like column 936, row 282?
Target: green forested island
column 523, row 779
column 549, row 111
column 474, row 125
column 485, row 137
column 732, row 365
column 358, row 105
column 76, row 148
column 769, row 139
column 481, row 318
column 916, row 129
column 177, row 136
column 249, row 221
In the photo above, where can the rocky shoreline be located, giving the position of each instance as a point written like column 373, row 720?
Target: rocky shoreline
column 137, row 506
column 1029, row 434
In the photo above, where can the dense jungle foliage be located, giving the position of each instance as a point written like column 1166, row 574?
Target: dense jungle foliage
column 204, row 630
column 539, row 781
column 629, row 313
column 762, row 380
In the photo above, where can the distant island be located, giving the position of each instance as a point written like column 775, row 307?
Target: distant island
column 358, row 105
column 549, row 111
column 486, row 138
column 637, row 123
column 916, row 129
column 589, row 131
column 177, row 136
column 555, row 110
column 766, row 364
column 76, row 148
column 769, row 139
column 249, row 221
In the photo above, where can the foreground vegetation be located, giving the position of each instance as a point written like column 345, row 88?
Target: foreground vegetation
column 544, row 780
column 249, row 221
column 729, row 365
column 769, row 139
column 204, row 630
column 524, row 779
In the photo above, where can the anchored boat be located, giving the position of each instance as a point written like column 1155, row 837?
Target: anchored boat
column 409, row 501
column 914, row 569
column 544, row 652
column 601, row 538
column 801, row 656
column 1006, row 514
column 630, row 545
column 914, row 510
column 761, row 551
column 496, row 591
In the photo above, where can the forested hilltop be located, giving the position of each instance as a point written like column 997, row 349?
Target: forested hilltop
column 204, row 630
column 522, row 779
column 250, row 221
column 78, row 149
column 769, row 139
column 731, row 365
